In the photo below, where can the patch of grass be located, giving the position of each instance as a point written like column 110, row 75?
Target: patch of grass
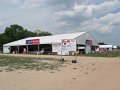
column 11, row 63
column 105, row 54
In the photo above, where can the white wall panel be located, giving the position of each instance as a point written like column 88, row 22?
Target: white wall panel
column 6, row 49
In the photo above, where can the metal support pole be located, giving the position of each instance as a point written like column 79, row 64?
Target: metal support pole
column 18, row 49
column 38, row 50
column 27, row 49
column 10, row 49
column 61, row 53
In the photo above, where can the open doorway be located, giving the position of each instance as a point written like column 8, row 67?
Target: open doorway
column 46, row 47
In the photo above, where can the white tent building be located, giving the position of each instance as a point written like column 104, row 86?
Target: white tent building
column 82, row 41
column 105, row 48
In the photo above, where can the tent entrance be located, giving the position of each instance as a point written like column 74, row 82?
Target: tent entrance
column 36, row 49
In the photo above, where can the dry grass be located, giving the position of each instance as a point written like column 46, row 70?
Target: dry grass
column 10, row 63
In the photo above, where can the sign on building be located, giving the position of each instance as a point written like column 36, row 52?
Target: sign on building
column 88, row 46
column 68, row 45
column 89, row 42
column 33, row 41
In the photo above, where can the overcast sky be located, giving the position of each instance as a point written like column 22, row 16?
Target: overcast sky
column 100, row 17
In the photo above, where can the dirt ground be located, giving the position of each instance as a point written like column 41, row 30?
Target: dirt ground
column 90, row 73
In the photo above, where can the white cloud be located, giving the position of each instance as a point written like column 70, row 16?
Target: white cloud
column 99, row 17
column 12, row 1
column 30, row 4
column 105, row 24
column 90, row 10
column 1, row 23
column 26, row 4
column 106, row 29
column 60, row 24
column 65, row 13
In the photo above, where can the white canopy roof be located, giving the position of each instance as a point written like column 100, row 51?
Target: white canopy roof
column 47, row 39
column 107, row 46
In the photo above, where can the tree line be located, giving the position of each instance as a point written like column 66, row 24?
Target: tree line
column 16, row 32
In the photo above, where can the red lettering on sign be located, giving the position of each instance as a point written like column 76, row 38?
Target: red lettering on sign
column 35, row 41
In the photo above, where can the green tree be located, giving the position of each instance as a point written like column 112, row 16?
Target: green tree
column 118, row 47
column 16, row 32
column 42, row 33
column 3, row 40
column 13, row 33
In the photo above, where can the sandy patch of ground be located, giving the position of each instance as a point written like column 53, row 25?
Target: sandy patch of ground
column 90, row 73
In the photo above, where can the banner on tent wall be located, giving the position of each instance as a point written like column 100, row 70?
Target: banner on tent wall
column 89, row 42
column 69, row 45
column 33, row 41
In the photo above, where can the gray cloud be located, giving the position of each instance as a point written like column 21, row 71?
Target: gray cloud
column 78, row 15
